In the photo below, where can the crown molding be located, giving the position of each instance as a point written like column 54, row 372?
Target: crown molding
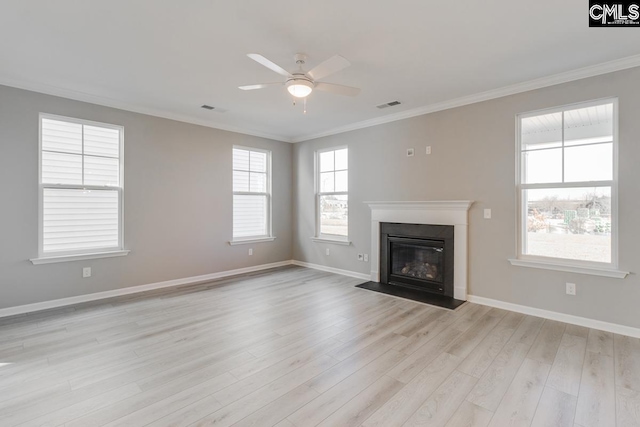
column 53, row 90
column 568, row 76
column 555, row 79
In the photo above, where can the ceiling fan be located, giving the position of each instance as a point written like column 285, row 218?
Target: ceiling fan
column 300, row 83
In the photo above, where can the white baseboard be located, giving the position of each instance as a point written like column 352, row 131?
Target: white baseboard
column 46, row 305
column 349, row 273
column 554, row 315
column 538, row 312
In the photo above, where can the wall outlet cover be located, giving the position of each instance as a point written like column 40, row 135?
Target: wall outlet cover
column 428, row 150
column 328, row 251
column 366, row 257
column 360, row 257
column 410, row 152
column 571, row 288
column 250, row 251
column 86, row 272
column 487, row 214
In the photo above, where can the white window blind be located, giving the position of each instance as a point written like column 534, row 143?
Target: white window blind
column 251, row 193
column 80, row 186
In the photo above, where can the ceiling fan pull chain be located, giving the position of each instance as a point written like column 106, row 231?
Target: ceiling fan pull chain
column 304, row 111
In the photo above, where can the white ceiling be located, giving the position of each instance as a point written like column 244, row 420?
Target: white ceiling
column 168, row 57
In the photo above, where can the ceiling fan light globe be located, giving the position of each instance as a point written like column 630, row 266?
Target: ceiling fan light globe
column 299, row 88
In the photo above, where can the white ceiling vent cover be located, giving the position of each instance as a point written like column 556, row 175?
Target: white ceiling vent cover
column 388, row 104
column 212, row 108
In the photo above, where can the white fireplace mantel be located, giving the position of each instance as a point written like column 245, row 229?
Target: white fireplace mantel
column 445, row 212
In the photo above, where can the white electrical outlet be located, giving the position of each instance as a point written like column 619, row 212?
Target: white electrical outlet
column 328, row 252
column 86, row 272
column 410, row 152
column 428, row 151
column 487, row 214
column 571, row 288
column 366, row 257
column 360, row 257
column 250, row 251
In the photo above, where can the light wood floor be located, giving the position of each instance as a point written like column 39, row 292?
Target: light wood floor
column 298, row 347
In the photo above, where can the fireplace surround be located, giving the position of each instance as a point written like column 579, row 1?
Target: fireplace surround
column 454, row 213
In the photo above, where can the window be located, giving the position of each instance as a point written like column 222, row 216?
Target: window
column 332, row 199
column 251, row 194
column 567, row 184
column 80, row 187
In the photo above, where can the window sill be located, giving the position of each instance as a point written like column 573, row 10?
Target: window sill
column 247, row 241
column 331, row 241
column 77, row 257
column 594, row 271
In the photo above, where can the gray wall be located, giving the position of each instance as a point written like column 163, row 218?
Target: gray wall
column 178, row 202
column 474, row 159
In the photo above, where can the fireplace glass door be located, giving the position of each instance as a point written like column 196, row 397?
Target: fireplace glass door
column 418, row 262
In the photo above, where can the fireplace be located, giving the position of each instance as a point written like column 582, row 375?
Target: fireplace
column 417, row 256
column 453, row 213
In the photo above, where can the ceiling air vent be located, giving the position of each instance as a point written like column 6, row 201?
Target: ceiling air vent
column 388, row 104
column 208, row 107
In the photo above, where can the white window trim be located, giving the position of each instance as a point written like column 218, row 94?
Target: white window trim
column 320, row 237
column 93, row 253
column 561, row 264
column 344, row 242
column 269, row 237
column 569, row 268
column 251, row 240
column 79, row 257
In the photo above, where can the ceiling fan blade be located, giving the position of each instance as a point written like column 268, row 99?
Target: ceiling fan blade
column 338, row 89
column 258, row 86
column 270, row 65
column 330, row 66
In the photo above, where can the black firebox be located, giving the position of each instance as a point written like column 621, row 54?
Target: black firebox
column 417, row 256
